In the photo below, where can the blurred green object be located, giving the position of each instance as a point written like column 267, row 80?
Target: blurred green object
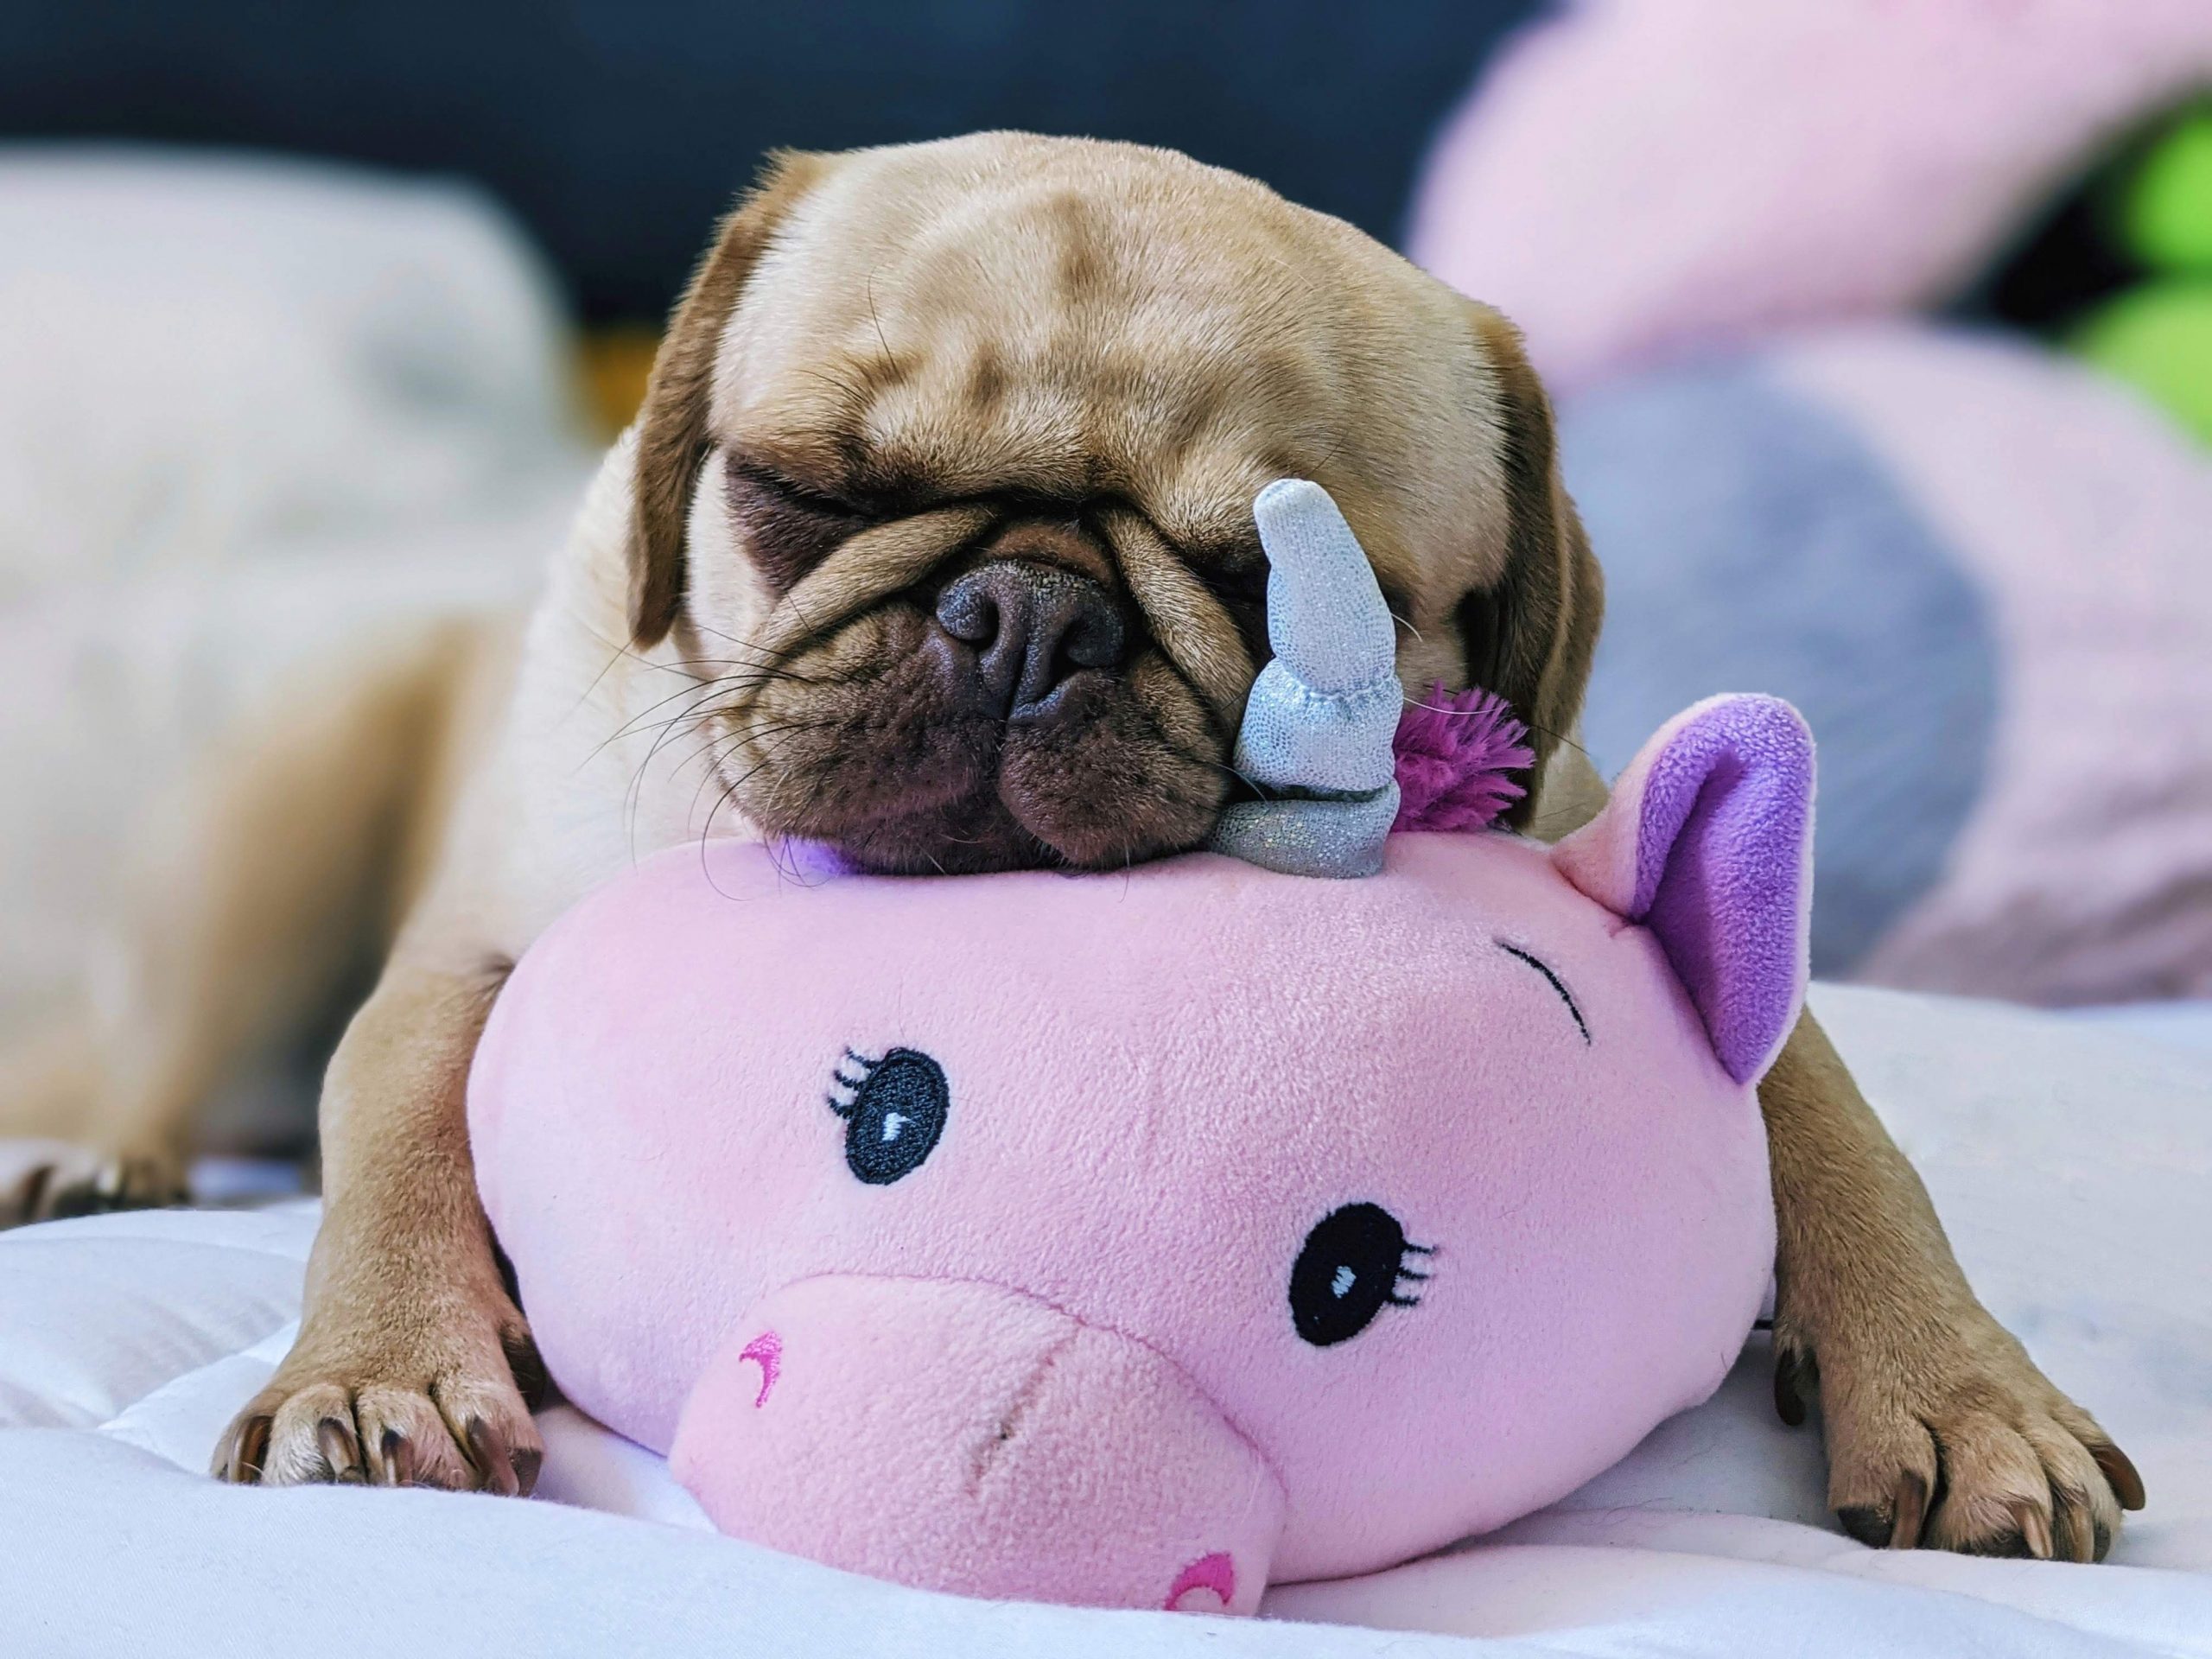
column 2166, row 208
column 2159, row 338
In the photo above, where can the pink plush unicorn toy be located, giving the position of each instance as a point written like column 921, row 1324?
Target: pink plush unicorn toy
column 1136, row 1239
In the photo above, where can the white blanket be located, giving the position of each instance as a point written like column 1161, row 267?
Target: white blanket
column 2072, row 1163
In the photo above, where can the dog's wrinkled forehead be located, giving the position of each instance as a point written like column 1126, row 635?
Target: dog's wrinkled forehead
column 1079, row 322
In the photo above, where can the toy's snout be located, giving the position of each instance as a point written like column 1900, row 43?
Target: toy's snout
column 962, row 1436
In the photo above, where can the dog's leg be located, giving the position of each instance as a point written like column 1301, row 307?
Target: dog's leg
column 250, row 893
column 405, row 1368
column 1941, row 1431
column 405, row 1371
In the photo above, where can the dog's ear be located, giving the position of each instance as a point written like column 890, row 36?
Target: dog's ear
column 672, row 426
column 1530, row 637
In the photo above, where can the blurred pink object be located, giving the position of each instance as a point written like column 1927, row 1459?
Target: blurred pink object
column 1638, row 178
column 2084, row 873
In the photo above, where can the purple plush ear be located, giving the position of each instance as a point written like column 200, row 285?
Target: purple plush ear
column 1708, row 841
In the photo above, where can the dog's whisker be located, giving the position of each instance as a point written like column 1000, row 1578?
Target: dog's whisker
column 729, row 793
column 704, row 693
column 706, row 832
column 640, row 726
column 890, row 367
column 751, row 736
column 634, row 794
column 733, row 687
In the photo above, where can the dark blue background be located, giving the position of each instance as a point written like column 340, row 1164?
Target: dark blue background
column 618, row 130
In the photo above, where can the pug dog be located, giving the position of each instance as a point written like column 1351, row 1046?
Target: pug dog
column 933, row 542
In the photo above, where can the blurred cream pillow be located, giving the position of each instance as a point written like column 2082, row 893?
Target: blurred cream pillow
column 260, row 422
column 199, row 353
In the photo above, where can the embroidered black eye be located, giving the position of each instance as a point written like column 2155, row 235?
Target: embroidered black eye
column 895, row 1116
column 1348, row 1271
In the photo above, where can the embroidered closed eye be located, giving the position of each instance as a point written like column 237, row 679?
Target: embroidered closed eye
column 1556, row 983
column 1352, row 1266
column 894, row 1110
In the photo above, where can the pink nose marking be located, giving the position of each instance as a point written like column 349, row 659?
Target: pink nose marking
column 766, row 1350
column 1215, row 1572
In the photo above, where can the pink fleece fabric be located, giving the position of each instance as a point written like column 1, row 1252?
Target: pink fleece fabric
column 1099, row 1338
column 1718, row 863
column 1636, row 178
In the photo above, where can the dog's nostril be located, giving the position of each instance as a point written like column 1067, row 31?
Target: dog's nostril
column 1094, row 638
column 968, row 613
column 1032, row 627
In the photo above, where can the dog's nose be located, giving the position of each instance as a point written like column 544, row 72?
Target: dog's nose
column 1032, row 626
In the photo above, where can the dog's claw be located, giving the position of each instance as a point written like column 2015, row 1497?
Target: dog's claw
column 1789, row 1387
column 247, row 1452
column 2035, row 1530
column 495, row 1465
column 1894, row 1525
column 1911, row 1510
column 32, row 1200
column 2075, row 1534
column 398, row 1458
column 2120, row 1471
column 342, row 1451
column 1866, row 1523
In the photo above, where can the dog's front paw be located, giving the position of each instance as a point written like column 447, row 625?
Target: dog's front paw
column 439, row 1403
column 1942, row 1434
column 47, row 1180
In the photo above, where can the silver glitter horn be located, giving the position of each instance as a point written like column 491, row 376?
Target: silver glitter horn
column 1316, row 741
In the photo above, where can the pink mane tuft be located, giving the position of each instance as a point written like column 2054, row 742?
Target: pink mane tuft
column 1456, row 752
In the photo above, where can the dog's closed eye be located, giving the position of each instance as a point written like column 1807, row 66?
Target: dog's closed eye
column 788, row 526
column 1237, row 577
column 1242, row 585
column 1238, row 581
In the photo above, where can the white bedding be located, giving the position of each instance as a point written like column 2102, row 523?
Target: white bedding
column 2072, row 1162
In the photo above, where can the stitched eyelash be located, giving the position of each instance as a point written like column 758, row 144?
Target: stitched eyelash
column 844, row 1108
column 1557, row 984
column 1405, row 1272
